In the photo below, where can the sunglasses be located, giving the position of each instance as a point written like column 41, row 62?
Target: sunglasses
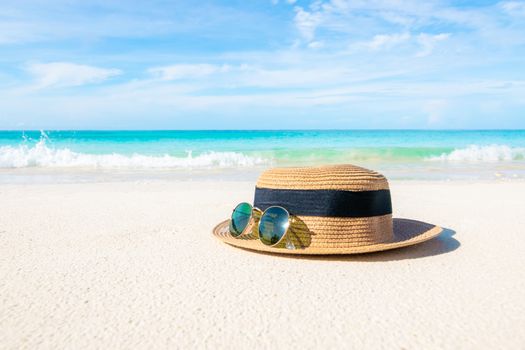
column 273, row 223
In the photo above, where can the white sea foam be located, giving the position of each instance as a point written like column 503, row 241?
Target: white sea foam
column 475, row 153
column 42, row 156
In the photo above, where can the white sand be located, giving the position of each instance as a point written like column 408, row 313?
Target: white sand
column 129, row 265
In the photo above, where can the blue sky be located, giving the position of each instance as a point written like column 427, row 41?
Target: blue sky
column 278, row 64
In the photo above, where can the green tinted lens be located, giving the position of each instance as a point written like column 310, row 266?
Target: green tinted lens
column 240, row 218
column 273, row 225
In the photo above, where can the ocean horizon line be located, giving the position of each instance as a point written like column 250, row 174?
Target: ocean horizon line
column 259, row 130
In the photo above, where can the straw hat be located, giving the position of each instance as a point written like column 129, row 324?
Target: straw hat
column 338, row 209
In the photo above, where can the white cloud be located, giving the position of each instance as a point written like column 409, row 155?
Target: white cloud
column 307, row 22
column 63, row 74
column 291, row 2
column 514, row 8
column 187, row 71
column 245, row 75
column 353, row 21
column 428, row 42
column 316, row 44
column 386, row 41
column 425, row 42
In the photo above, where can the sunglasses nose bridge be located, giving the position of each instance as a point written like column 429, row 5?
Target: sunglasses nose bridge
column 256, row 213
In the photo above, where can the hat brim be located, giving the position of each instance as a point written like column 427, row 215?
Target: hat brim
column 406, row 233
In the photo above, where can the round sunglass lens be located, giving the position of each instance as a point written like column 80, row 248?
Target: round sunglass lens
column 240, row 218
column 273, row 225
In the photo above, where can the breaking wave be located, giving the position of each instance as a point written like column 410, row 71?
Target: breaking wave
column 40, row 155
column 475, row 153
column 45, row 154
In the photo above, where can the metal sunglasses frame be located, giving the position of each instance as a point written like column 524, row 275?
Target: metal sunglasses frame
column 260, row 214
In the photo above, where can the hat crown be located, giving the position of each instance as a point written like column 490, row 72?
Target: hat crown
column 335, row 206
column 345, row 177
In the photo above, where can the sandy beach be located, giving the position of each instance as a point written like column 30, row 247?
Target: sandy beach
column 134, row 264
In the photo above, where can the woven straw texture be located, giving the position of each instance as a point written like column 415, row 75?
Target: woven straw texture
column 333, row 177
column 332, row 235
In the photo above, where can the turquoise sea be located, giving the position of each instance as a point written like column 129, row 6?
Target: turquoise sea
column 402, row 154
